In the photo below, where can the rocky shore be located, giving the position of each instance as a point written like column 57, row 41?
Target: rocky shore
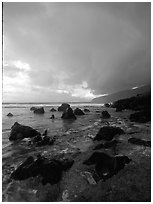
column 109, row 160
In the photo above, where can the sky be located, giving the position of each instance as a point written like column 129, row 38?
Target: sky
column 63, row 52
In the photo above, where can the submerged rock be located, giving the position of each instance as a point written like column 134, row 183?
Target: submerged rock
column 39, row 110
column 139, row 142
column 9, row 114
column 105, row 165
column 68, row 114
column 78, row 111
column 105, row 115
column 19, row 131
column 46, row 140
column 63, row 107
column 108, row 133
column 50, row 170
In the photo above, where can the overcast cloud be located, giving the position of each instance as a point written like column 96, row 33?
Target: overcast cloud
column 74, row 51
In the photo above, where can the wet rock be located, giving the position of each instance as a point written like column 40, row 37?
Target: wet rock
column 9, row 114
column 107, row 145
column 141, row 116
column 105, row 115
column 52, row 109
column 139, row 142
column 33, row 108
column 105, row 165
column 108, row 133
column 107, row 105
column 68, row 114
column 50, row 170
column 63, row 107
column 36, row 139
column 46, row 140
column 78, row 111
column 39, row 110
column 86, row 110
column 19, row 131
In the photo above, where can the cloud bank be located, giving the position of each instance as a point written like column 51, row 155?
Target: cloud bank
column 74, row 51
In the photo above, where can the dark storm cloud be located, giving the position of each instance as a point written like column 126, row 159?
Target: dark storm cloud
column 105, row 44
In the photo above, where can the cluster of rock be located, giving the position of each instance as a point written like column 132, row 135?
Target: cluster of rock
column 49, row 169
column 19, row 132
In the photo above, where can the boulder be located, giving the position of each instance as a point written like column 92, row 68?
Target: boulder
column 105, row 115
column 39, row 110
column 105, row 165
column 63, row 107
column 107, row 105
column 68, row 114
column 9, row 114
column 108, row 133
column 49, row 169
column 19, row 131
column 107, row 145
column 86, row 110
column 52, row 109
column 141, row 116
column 33, row 108
column 139, row 142
column 78, row 111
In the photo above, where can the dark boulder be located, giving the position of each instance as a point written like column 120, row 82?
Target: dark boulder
column 63, row 107
column 86, row 110
column 105, row 115
column 105, row 165
column 19, row 131
column 108, row 133
column 107, row 145
column 33, row 108
column 68, row 114
column 78, row 111
column 49, row 169
column 9, row 114
column 52, row 109
column 39, row 110
column 141, row 116
column 139, row 142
